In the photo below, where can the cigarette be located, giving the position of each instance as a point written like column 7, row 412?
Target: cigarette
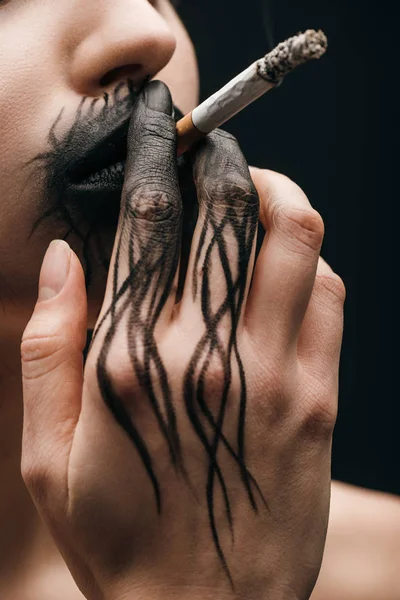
column 261, row 77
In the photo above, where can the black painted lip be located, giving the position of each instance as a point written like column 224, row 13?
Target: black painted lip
column 96, row 172
column 108, row 151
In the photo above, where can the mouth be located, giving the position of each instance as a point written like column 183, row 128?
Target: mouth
column 88, row 168
column 102, row 168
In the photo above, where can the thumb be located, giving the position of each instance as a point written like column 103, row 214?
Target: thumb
column 52, row 365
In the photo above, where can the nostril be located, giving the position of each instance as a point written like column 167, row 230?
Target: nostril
column 124, row 72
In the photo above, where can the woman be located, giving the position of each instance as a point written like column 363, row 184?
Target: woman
column 149, row 487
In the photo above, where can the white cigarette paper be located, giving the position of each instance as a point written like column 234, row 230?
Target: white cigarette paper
column 231, row 99
column 259, row 78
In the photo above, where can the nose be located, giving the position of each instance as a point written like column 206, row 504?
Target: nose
column 121, row 39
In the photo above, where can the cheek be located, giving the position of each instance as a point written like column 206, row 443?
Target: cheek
column 28, row 72
column 181, row 74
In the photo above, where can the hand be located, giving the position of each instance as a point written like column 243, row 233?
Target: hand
column 191, row 457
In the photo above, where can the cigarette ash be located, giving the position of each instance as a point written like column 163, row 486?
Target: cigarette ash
column 288, row 55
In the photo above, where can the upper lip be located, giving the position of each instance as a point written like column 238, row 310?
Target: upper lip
column 97, row 143
column 103, row 150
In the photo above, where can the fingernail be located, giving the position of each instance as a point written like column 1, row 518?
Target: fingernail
column 157, row 97
column 54, row 271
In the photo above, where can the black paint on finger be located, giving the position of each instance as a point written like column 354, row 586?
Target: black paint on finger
column 157, row 97
column 147, row 250
column 229, row 210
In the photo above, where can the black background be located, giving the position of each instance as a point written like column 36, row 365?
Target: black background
column 331, row 128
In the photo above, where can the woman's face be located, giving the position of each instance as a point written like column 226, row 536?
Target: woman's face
column 69, row 73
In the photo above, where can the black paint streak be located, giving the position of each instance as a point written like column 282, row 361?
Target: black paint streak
column 152, row 267
column 240, row 216
column 149, row 241
column 152, row 264
column 151, row 275
column 84, row 219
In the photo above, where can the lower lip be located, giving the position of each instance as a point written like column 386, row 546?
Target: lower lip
column 108, row 179
column 98, row 197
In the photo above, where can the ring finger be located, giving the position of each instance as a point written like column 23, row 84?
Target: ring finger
column 285, row 271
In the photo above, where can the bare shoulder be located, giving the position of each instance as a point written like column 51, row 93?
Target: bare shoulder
column 52, row 583
column 362, row 554
column 348, row 498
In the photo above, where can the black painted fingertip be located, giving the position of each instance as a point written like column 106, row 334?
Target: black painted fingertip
column 158, row 97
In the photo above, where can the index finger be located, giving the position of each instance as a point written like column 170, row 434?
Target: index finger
column 145, row 259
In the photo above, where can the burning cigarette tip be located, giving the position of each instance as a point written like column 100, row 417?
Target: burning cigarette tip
column 290, row 54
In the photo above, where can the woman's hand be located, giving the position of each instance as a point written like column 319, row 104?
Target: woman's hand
column 191, row 457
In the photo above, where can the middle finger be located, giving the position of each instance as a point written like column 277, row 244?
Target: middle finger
column 222, row 252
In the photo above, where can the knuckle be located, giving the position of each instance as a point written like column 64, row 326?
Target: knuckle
column 121, row 375
column 276, row 185
column 120, row 370
column 319, row 410
column 149, row 204
column 284, row 185
column 333, row 287
column 214, row 381
column 275, row 408
column 157, row 131
column 152, row 137
column 299, row 226
column 288, row 183
column 215, row 378
column 233, row 191
column 41, row 354
column 221, row 170
column 271, row 389
column 232, row 186
column 268, row 176
column 285, row 206
column 274, row 378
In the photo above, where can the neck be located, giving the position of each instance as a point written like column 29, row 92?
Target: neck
column 20, row 524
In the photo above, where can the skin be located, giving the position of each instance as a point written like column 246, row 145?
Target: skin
column 86, row 44
column 187, row 442
column 92, row 51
